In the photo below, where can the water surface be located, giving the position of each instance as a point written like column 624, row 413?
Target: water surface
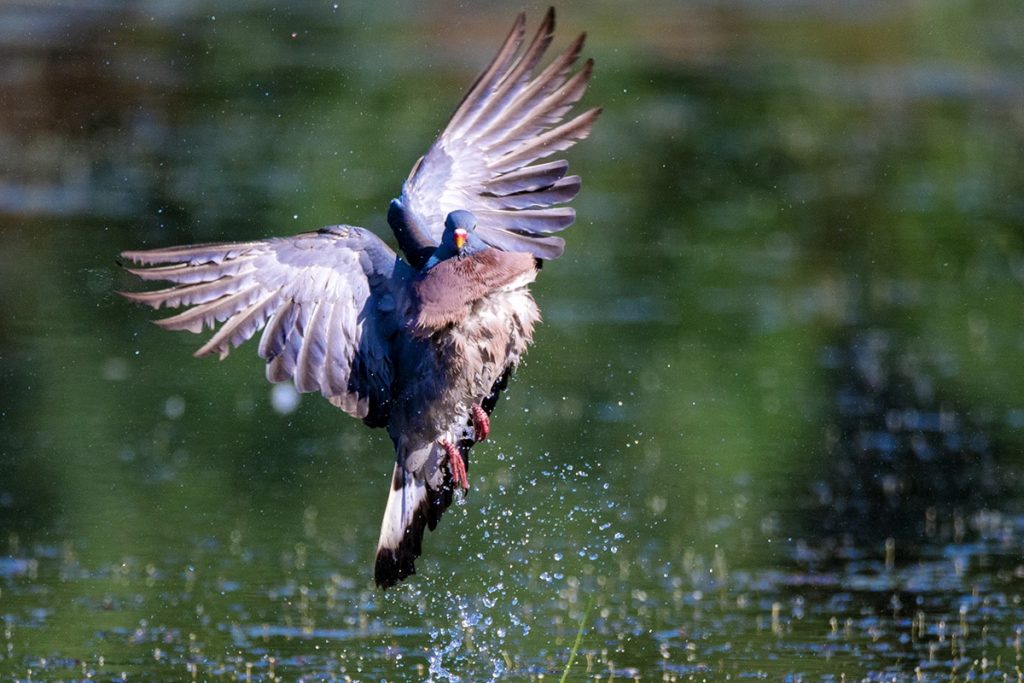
column 771, row 428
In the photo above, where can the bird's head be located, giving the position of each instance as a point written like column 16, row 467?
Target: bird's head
column 458, row 239
column 460, row 225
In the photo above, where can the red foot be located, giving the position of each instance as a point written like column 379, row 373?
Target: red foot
column 456, row 465
column 481, row 424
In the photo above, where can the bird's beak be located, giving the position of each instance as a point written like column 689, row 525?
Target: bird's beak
column 460, row 239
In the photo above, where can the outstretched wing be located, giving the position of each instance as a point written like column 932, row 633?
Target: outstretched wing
column 483, row 161
column 328, row 302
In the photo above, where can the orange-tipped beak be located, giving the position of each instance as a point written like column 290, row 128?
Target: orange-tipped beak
column 460, row 238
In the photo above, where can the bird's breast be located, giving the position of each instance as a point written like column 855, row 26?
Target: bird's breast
column 448, row 293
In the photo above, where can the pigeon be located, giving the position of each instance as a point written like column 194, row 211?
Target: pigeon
column 421, row 344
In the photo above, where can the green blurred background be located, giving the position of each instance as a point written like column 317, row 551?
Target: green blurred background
column 774, row 410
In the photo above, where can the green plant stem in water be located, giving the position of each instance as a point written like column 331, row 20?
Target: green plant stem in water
column 579, row 637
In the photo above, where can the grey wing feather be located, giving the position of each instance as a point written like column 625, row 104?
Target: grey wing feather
column 484, row 160
column 328, row 303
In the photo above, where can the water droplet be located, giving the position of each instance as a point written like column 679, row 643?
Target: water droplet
column 284, row 398
column 174, row 407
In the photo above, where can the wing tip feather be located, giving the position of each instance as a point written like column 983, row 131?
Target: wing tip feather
column 138, row 298
column 530, row 125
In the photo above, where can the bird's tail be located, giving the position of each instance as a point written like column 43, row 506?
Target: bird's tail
column 416, row 501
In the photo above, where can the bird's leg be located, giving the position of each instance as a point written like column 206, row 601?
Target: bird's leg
column 456, row 465
column 481, row 423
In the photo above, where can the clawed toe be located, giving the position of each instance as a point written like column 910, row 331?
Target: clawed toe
column 481, row 423
column 456, row 466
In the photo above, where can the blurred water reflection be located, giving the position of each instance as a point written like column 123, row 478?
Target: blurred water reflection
column 773, row 412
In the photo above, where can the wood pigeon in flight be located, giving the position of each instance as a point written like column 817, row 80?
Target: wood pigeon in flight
column 421, row 346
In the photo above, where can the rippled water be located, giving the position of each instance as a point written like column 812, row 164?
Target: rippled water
column 771, row 427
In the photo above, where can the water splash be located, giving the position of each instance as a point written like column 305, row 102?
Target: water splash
column 531, row 557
